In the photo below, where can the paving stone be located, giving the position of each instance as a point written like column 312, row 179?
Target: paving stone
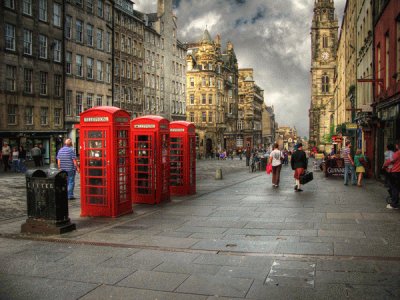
column 152, row 280
column 344, row 215
column 236, row 246
column 305, row 248
column 357, row 278
column 105, row 292
column 243, row 272
column 216, row 285
column 293, row 265
column 346, row 266
column 303, row 282
column 300, row 232
column 367, row 249
column 194, row 229
column 249, row 231
column 339, row 233
column 234, row 260
column 187, row 268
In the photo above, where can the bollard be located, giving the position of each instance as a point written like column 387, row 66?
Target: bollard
column 218, row 174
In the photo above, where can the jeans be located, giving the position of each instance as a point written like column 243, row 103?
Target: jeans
column 349, row 168
column 276, row 174
column 394, row 188
column 15, row 165
column 22, row 167
column 71, row 183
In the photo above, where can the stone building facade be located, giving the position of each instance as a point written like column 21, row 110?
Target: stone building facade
column 268, row 126
column 251, row 101
column 212, row 93
column 164, row 65
column 88, row 59
column 324, row 33
column 128, row 58
column 31, row 74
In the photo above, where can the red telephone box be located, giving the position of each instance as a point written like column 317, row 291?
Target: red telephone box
column 182, row 158
column 105, row 168
column 150, row 159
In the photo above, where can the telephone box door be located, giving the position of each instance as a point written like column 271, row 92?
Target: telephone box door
column 143, row 150
column 95, row 159
column 177, row 183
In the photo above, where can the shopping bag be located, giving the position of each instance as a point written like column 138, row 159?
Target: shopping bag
column 306, row 177
column 269, row 169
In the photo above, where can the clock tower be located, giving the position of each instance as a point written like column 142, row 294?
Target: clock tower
column 324, row 39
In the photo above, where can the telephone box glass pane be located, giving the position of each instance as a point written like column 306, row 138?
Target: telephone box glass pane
column 165, row 163
column 122, row 165
column 143, row 156
column 192, row 150
column 176, row 161
column 95, row 169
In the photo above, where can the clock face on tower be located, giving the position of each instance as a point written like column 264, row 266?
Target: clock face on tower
column 325, row 56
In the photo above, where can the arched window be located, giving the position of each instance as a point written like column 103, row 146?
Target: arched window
column 325, row 84
column 324, row 41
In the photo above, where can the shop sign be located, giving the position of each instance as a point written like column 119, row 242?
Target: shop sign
column 390, row 113
column 95, row 119
column 177, row 129
column 351, row 126
column 144, row 126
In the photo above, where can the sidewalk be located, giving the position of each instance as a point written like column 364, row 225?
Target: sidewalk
column 236, row 238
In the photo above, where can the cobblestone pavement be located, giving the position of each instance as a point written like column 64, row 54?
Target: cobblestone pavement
column 237, row 238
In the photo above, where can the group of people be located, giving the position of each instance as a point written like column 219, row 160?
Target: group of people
column 298, row 163
column 353, row 166
column 13, row 158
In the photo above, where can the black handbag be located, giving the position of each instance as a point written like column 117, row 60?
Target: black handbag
column 306, row 177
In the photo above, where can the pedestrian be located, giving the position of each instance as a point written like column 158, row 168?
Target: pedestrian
column 36, row 154
column 275, row 159
column 298, row 163
column 22, row 159
column 14, row 160
column 348, row 164
column 42, row 154
column 5, row 156
column 394, row 177
column 66, row 161
column 359, row 158
column 248, row 155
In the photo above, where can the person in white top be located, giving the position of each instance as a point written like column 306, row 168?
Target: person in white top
column 275, row 159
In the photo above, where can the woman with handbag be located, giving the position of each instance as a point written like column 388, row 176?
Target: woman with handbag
column 360, row 162
column 275, row 159
column 299, row 165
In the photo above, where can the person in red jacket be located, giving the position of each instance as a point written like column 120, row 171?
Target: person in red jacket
column 394, row 177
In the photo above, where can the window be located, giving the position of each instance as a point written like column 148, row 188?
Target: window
column 99, row 39
column 57, row 85
column 68, row 62
column 42, row 46
column 57, row 116
column 79, row 31
column 44, row 116
column 28, row 81
column 27, row 7
column 57, row 50
column 12, row 114
column 122, row 42
column 191, row 117
column 68, row 103
column 29, row 115
column 89, row 100
column 43, row 10
column 210, row 117
column 9, row 4
column 11, row 76
column 57, row 14
column 108, row 72
column 79, row 66
column 324, row 41
column 128, row 70
column 100, row 8
column 379, row 54
column 99, row 100
column 27, row 42
column 89, row 64
column 123, row 67
column 78, row 103
column 387, row 59
column 10, row 37
column 99, row 70
column 89, row 30
column 203, row 81
column 325, row 84
column 68, row 25
column 203, row 116
column 210, row 99
column 43, row 83
column 191, row 81
column 89, row 6
column 191, row 99
column 116, row 68
column 108, row 41
column 203, row 99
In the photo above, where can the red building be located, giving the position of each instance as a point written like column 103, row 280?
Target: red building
column 387, row 75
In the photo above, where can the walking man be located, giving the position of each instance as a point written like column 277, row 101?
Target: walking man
column 394, row 180
column 66, row 160
column 299, row 165
column 36, row 154
column 348, row 164
column 5, row 155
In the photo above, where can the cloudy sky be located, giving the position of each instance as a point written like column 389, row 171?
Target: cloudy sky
column 270, row 36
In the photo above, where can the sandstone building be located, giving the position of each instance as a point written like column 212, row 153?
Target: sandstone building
column 31, row 74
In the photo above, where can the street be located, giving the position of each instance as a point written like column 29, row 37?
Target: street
column 237, row 238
